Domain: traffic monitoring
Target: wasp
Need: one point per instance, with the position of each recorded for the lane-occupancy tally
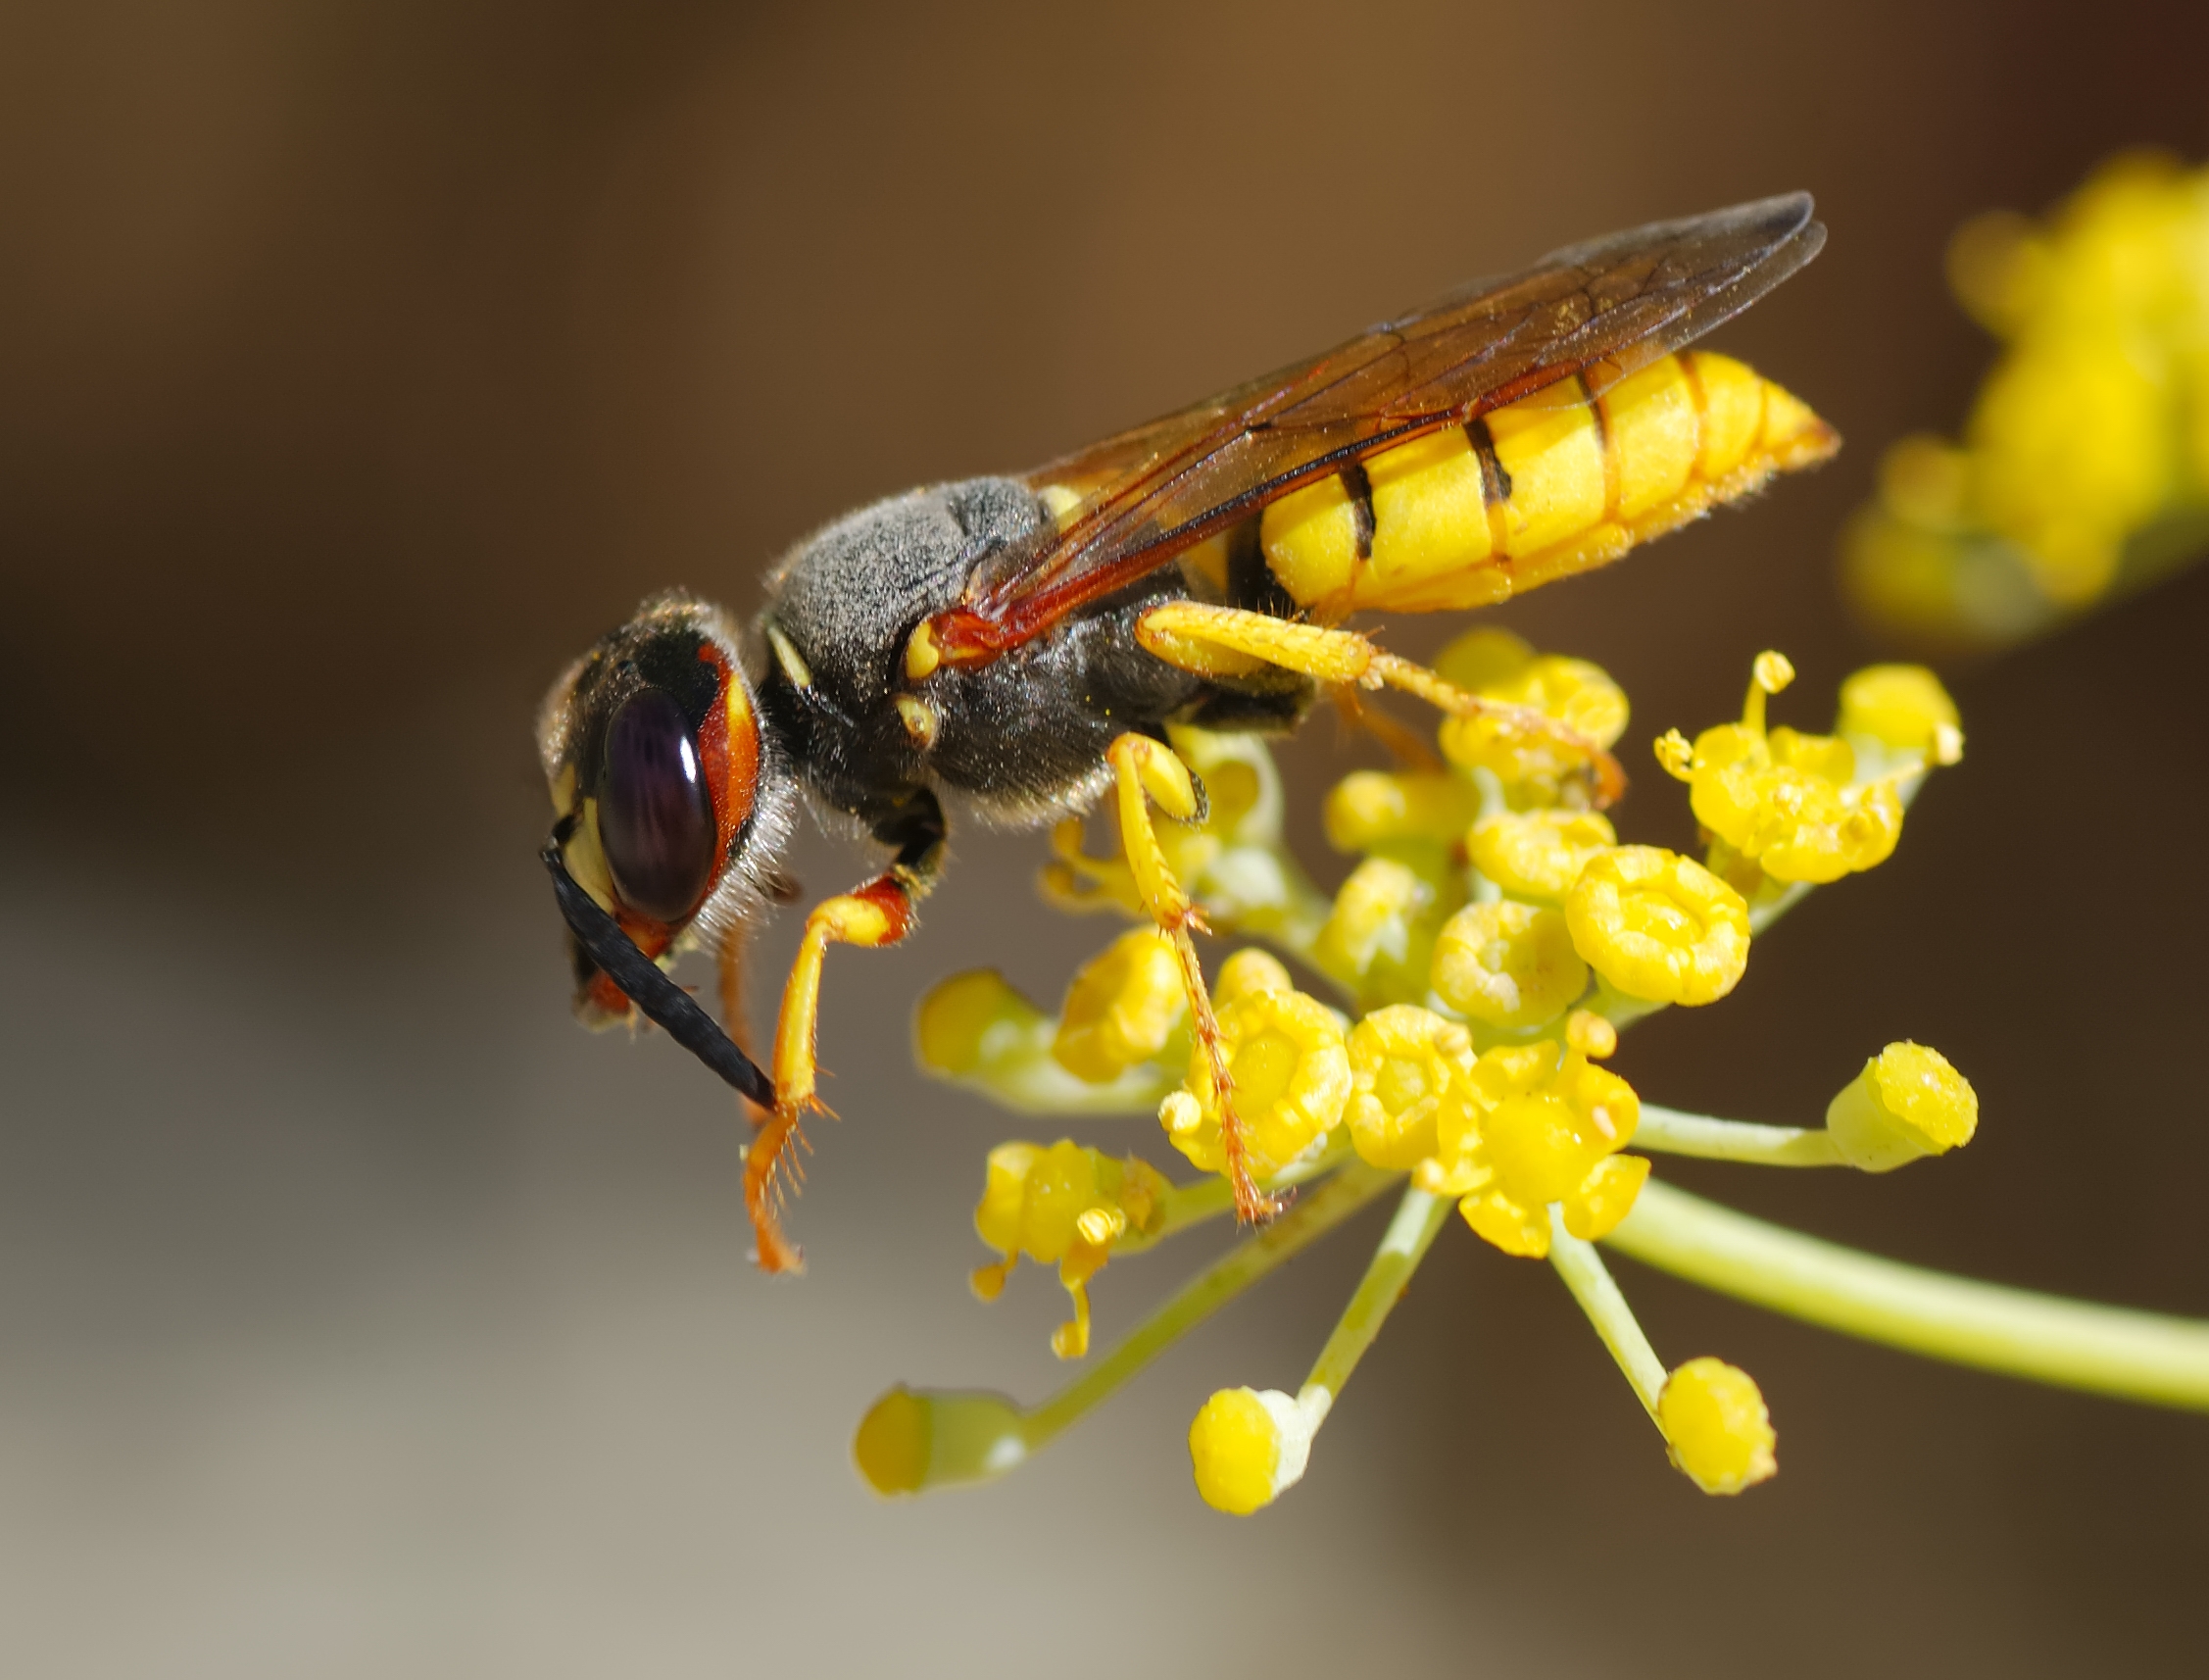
(1021, 646)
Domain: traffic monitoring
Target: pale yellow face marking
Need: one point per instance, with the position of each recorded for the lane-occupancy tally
(586, 862)
(922, 656)
(787, 655)
(563, 791)
(919, 718)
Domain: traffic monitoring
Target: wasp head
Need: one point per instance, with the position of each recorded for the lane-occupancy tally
(672, 804)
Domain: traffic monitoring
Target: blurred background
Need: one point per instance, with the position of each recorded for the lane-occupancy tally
(359, 363)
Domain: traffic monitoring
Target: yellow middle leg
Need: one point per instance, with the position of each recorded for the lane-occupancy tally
(1146, 772)
(1226, 641)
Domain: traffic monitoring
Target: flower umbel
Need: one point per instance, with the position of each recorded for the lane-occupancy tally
(1490, 942)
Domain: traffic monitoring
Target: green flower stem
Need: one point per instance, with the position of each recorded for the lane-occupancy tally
(1590, 1281)
(1418, 1219)
(913, 1439)
(1208, 1291)
(2071, 1344)
(1675, 1133)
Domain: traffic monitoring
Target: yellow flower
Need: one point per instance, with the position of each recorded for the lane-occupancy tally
(1290, 1070)
(1408, 1065)
(1371, 808)
(1903, 708)
(1507, 963)
(1787, 802)
(1499, 666)
(1715, 1421)
(1539, 854)
(1247, 1446)
(961, 1020)
(1251, 970)
(1908, 1103)
(1123, 1008)
(1658, 925)
(1378, 938)
(1544, 1126)
(1067, 1203)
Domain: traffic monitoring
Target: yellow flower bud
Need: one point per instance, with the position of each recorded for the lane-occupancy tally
(1507, 963)
(1539, 854)
(958, 1021)
(1497, 665)
(1901, 706)
(1248, 1447)
(1720, 1432)
(1377, 938)
(1908, 1103)
(913, 1439)
(1370, 808)
(1249, 970)
(1658, 925)
(1286, 1054)
(1123, 1008)
(1067, 1203)
(1408, 1065)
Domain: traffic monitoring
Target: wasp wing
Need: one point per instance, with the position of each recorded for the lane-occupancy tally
(1598, 312)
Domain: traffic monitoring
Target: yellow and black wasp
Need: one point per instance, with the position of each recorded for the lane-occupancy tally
(1022, 644)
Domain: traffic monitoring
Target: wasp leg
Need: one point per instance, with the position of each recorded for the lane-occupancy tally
(1148, 772)
(1225, 641)
(730, 959)
(879, 913)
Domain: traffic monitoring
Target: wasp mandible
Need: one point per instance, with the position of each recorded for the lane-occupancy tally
(1023, 643)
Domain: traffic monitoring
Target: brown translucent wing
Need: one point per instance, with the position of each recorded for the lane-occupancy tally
(1597, 310)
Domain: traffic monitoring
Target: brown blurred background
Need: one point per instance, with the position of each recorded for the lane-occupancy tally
(358, 363)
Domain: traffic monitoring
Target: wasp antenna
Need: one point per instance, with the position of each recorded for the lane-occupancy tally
(645, 985)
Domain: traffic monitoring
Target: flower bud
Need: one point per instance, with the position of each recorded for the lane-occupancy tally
(1248, 1447)
(1721, 1434)
(1906, 1103)
(1658, 925)
(1122, 1009)
(962, 1019)
(911, 1439)
(1507, 963)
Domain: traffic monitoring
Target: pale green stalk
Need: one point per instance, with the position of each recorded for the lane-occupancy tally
(914, 1440)
(2044, 1338)
(1590, 1281)
(1673, 1132)
(1419, 1219)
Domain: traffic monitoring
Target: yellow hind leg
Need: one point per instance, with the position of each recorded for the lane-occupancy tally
(1229, 641)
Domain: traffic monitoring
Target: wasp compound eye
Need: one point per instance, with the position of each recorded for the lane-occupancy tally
(655, 814)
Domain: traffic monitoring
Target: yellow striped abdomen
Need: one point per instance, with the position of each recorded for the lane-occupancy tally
(1549, 486)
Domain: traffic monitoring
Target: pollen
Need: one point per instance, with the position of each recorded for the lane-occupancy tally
(1659, 926)
(1286, 1054)
(1124, 1007)
(1908, 1103)
(1507, 963)
(1539, 854)
(1715, 1421)
(1407, 1066)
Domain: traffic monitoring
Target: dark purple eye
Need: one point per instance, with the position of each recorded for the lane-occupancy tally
(655, 814)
